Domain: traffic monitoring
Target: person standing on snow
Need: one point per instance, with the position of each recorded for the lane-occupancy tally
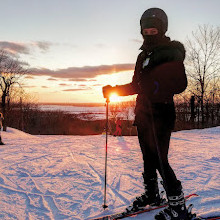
(118, 127)
(159, 75)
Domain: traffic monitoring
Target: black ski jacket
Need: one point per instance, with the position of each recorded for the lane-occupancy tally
(159, 75)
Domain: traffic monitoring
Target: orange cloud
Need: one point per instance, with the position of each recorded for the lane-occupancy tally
(74, 73)
(64, 84)
(75, 90)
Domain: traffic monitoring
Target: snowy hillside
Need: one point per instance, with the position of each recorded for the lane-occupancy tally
(62, 177)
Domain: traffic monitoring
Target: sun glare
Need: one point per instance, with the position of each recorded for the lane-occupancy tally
(114, 97)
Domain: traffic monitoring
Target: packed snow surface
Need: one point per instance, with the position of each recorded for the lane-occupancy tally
(62, 177)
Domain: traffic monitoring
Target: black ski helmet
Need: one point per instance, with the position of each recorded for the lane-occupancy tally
(155, 14)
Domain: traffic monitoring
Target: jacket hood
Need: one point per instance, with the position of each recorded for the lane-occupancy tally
(166, 42)
(179, 46)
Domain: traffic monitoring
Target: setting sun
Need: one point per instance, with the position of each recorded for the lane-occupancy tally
(114, 97)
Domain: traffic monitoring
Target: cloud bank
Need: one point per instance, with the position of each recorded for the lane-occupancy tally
(86, 72)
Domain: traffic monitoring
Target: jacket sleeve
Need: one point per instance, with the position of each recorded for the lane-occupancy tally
(133, 87)
(125, 90)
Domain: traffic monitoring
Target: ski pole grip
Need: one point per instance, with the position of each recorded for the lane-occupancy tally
(107, 99)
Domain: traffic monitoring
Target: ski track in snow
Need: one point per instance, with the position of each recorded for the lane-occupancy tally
(62, 177)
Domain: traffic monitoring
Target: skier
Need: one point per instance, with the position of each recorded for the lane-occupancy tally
(159, 74)
(118, 127)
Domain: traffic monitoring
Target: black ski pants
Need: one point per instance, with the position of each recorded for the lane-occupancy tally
(154, 133)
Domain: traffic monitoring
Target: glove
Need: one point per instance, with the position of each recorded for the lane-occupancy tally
(107, 90)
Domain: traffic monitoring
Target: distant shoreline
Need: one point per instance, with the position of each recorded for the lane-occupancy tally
(75, 104)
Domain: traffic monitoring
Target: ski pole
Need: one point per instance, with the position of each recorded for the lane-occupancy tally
(106, 151)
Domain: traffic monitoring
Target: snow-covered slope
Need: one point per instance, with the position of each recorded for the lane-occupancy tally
(62, 177)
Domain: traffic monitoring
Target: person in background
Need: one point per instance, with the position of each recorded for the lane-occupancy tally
(118, 127)
(159, 74)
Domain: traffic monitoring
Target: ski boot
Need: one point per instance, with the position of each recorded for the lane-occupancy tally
(176, 209)
(150, 197)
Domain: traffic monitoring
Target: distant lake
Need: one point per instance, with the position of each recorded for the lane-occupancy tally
(84, 110)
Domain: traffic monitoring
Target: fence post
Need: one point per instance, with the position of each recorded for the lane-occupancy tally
(192, 107)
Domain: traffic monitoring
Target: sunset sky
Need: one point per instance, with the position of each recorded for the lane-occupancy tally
(75, 47)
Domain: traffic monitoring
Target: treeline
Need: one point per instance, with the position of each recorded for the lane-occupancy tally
(190, 115)
(29, 118)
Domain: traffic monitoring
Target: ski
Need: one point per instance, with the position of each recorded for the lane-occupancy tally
(206, 218)
(129, 214)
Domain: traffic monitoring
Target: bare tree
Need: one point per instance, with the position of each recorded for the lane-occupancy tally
(127, 110)
(203, 64)
(11, 73)
(115, 109)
